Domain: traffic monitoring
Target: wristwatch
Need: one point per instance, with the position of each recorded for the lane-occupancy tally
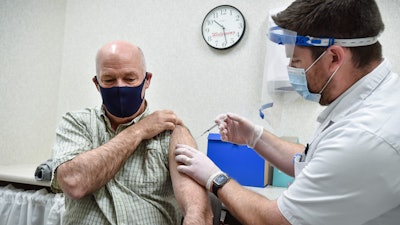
(218, 182)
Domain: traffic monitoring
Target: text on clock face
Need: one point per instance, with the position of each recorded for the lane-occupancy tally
(222, 34)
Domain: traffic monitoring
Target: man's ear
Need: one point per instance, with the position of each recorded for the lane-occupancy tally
(96, 83)
(338, 55)
(148, 79)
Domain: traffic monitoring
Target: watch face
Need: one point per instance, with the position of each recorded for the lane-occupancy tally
(220, 179)
(223, 27)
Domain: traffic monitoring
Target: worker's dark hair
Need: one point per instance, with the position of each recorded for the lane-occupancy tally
(341, 19)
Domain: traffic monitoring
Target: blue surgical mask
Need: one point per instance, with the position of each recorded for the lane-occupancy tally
(298, 79)
(123, 101)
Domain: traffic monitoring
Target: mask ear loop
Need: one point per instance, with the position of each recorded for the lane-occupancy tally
(329, 80)
(319, 57)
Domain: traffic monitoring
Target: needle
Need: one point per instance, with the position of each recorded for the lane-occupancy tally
(208, 130)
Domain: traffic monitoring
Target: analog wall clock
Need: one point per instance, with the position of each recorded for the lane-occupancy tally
(223, 27)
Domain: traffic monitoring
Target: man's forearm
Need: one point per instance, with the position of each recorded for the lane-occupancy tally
(278, 151)
(91, 170)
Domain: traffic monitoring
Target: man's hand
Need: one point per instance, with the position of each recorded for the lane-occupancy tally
(156, 123)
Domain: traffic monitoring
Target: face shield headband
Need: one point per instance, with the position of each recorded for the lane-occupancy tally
(290, 39)
(282, 36)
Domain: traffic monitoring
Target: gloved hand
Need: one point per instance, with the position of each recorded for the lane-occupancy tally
(196, 164)
(238, 130)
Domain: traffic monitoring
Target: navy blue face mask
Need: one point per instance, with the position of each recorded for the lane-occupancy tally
(123, 101)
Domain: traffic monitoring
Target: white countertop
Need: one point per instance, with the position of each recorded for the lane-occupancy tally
(21, 173)
(269, 191)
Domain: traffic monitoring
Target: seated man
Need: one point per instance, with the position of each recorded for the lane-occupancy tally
(115, 163)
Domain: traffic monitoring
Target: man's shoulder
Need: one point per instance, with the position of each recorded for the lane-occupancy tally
(81, 118)
(84, 113)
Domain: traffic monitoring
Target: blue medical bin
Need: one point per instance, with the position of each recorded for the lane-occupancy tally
(240, 162)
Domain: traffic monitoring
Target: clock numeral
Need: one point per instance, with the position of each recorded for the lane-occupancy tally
(223, 12)
(215, 15)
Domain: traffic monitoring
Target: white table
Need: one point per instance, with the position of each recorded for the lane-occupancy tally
(269, 191)
(21, 173)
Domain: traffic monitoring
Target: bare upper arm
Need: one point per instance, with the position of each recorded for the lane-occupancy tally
(191, 196)
(180, 135)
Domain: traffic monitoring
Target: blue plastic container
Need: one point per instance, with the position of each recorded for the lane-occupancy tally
(240, 162)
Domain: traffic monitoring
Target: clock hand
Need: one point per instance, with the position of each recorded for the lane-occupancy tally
(219, 24)
(223, 29)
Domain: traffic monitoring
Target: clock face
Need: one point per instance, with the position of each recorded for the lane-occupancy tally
(223, 27)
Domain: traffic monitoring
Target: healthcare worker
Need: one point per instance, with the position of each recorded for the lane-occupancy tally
(349, 171)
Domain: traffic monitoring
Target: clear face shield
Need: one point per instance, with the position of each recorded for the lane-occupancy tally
(279, 54)
(276, 86)
(286, 40)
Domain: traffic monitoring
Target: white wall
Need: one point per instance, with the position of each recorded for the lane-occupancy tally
(31, 38)
(47, 62)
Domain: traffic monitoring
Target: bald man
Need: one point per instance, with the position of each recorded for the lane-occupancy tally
(115, 162)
